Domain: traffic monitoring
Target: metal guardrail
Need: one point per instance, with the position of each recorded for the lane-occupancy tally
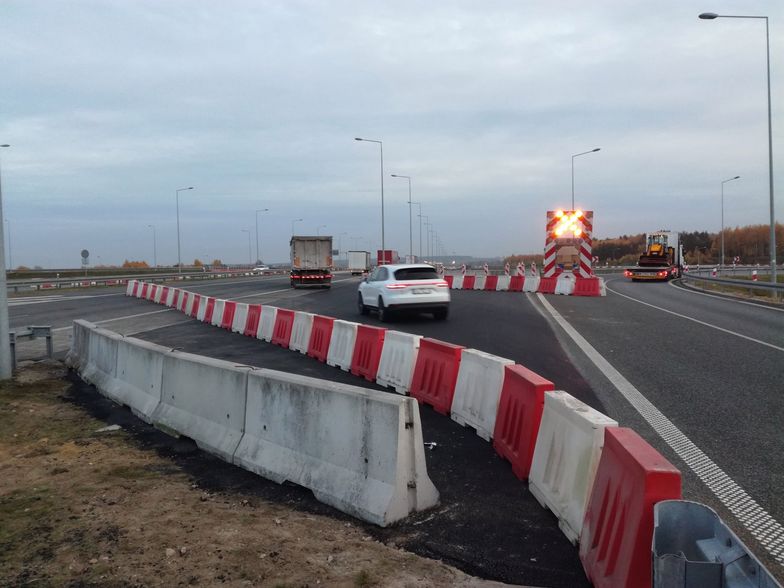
(744, 284)
(31, 333)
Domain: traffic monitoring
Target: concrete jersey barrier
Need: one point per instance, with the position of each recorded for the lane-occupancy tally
(358, 450)
(137, 382)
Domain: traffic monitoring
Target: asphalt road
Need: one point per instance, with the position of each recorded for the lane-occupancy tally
(721, 389)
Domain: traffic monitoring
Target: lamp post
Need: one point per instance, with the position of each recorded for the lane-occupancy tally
(154, 247)
(340, 242)
(381, 145)
(722, 217)
(712, 16)
(578, 155)
(296, 220)
(250, 261)
(410, 230)
(318, 228)
(258, 255)
(428, 225)
(179, 258)
(419, 204)
(10, 257)
(6, 369)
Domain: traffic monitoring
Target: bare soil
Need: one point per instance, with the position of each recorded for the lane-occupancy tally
(79, 507)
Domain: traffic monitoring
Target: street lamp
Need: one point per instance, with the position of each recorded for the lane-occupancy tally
(712, 16)
(419, 204)
(722, 217)
(318, 228)
(250, 261)
(381, 145)
(296, 220)
(10, 256)
(6, 369)
(258, 258)
(410, 233)
(154, 247)
(179, 258)
(578, 155)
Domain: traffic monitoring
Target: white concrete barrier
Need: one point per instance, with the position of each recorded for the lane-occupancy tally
(398, 358)
(204, 399)
(341, 344)
(240, 318)
(358, 450)
(565, 284)
(300, 332)
(568, 448)
(217, 312)
(267, 322)
(457, 282)
(503, 283)
(478, 390)
(202, 308)
(531, 284)
(100, 365)
(80, 338)
(479, 281)
(137, 382)
(170, 297)
(129, 287)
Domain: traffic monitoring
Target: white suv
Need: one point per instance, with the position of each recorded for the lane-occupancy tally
(396, 287)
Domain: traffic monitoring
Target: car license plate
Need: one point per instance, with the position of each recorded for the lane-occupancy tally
(421, 290)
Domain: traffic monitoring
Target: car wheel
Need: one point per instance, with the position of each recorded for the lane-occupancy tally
(383, 313)
(361, 305)
(441, 314)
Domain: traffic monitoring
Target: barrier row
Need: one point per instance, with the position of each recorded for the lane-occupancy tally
(601, 480)
(358, 450)
(565, 283)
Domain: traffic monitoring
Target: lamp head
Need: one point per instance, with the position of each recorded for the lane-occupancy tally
(709, 15)
(597, 149)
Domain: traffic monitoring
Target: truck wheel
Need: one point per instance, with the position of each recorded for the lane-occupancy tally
(383, 313)
(361, 305)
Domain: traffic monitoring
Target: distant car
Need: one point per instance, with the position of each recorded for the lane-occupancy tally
(416, 287)
(261, 269)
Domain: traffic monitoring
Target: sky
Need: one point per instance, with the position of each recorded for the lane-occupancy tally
(111, 106)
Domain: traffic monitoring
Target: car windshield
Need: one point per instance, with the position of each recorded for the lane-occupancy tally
(416, 273)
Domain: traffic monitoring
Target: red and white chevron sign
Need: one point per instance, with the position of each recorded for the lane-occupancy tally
(569, 227)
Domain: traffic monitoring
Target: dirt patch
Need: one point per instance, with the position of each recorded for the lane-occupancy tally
(83, 508)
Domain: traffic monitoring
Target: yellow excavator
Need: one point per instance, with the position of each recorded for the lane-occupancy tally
(662, 259)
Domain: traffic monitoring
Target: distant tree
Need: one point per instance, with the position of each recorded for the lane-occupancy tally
(22, 268)
(135, 264)
(197, 263)
(216, 263)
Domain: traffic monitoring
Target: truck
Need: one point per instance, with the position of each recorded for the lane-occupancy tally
(662, 259)
(387, 256)
(358, 262)
(311, 261)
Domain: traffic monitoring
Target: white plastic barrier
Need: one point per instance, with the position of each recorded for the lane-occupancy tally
(217, 312)
(240, 318)
(300, 332)
(531, 284)
(129, 287)
(100, 365)
(398, 358)
(267, 323)
(503, 283)
(202, 308)
(184, 301)
(137, 382)
(158, 294)
(341, 344)
(565, 284)
(204, 399)
(478, 390)
(568, 448)
(358, 450)
(602, 287)
(479, 281)
(170, 297)
(457, 282)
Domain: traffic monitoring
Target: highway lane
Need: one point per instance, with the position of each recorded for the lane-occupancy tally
(714, 369)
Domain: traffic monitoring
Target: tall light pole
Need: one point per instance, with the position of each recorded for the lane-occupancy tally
(154, 247)
(296, 220)
(428, 225)
(722, 216)
(179, 258)
(711, 16)
(6, 369)
(250, 261)
(381, 145)
(10, 257)
(419, 204)
(318, 228)
(410, 230)
(258, 258)
(578, 155)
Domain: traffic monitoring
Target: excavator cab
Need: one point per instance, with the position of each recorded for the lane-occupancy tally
(657, 253)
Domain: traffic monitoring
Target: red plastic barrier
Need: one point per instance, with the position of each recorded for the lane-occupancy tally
(468, 282)
(151, 292)
(587, 287)
(252, 323)
(135, 291)
(367, 351)
(547, 285)
(519, 414)
(491, 282)
(516, 283)
(176, 298)
(145, 288)
(284, 321)
(320, 336)
(229, 308)
(435, 373)
(449, 281)
(615, 545)
(184, 298)
(209, 310)
(164, 294)
(193, 307)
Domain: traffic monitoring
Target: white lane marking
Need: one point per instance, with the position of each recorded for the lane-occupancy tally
(722, 329)
(732, 300)
(52, 298)
(760, 524)
(118, 318)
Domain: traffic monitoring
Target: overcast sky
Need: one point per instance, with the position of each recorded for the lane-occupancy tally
(110, 106)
